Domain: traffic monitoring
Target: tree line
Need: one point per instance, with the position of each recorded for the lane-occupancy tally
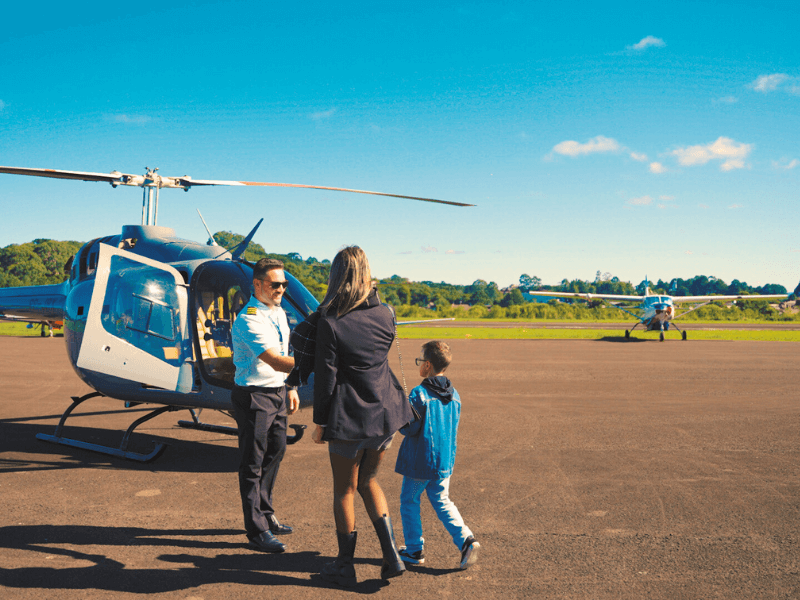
(42, 262)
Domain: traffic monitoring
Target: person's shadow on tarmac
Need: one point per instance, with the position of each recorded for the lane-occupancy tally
(240, 566)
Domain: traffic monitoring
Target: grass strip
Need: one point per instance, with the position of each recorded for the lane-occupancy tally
(495, 333)
(21, 330)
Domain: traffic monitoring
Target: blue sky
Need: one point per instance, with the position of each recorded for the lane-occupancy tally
(638, 139)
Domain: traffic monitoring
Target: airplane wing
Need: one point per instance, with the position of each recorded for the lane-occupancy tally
(34, 303)
(690, 299)
(588, 296)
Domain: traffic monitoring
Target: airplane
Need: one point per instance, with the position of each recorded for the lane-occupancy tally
(657, 311)
(147, 316)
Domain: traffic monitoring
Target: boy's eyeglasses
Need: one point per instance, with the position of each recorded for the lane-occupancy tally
(419, 361)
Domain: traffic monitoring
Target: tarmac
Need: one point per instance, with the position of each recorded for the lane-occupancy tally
(586, 469)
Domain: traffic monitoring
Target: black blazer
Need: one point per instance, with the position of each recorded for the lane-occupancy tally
(356, 394)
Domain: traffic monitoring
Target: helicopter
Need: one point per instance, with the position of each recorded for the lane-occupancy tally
(147, 316)
(656, 312)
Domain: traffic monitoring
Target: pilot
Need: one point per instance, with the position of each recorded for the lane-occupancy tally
(261, 355)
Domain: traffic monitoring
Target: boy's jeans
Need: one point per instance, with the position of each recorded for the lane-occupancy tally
(439, 494)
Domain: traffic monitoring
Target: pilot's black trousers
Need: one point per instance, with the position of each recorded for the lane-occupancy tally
(261, 417)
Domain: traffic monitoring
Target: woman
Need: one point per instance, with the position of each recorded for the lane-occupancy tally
(358, 406)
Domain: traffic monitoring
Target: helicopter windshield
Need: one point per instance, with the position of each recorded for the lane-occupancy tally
(139, 307)
(300, 296)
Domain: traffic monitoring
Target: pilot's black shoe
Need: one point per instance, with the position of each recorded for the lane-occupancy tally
(266, 542)
(276, 527)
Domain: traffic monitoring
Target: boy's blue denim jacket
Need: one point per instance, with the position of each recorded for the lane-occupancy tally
(428, 450)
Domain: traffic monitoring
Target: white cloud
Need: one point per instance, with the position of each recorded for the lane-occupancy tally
(733, 154)
(769, 83)
(2, 105)
(596, 144)
(657, 167)
(429, 249)
(641, 201)
(787, 165)
(688, 252)
(667, 198)
(455, 252)
(639, 156)
(406, 252)
(702, 206)
(131, 119)
(727, 100)
(735, 206)
(323, 114)
(646, 42)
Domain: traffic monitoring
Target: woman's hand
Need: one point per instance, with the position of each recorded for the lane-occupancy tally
(317, 434)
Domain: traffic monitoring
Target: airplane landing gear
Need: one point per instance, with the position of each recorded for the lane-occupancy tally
(661, 336)
(627, 334)
(683, 335)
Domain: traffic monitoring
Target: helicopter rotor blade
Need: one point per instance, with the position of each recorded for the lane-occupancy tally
(114, 178)
(190, 182)
(152, 179)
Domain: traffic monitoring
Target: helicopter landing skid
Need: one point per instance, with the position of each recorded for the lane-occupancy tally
(122, 451)
(196, 423)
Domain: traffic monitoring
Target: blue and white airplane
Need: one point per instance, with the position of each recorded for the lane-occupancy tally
(655, 312)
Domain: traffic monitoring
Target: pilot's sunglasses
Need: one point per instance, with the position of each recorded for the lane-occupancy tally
(279, 284)
(419, 361)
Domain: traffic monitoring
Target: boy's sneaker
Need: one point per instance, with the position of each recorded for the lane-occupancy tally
(417, 558)
(469, 552)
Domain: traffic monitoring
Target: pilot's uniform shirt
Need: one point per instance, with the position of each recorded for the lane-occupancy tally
(259, 328)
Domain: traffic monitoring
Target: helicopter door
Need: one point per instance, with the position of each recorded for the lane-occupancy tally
(136, 327)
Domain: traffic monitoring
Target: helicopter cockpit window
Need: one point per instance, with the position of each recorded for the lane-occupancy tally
(139, 307)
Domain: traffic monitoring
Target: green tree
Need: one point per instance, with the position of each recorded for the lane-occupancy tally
(40, 262)
(527, 283)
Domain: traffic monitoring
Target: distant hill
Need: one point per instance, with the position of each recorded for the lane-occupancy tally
(42, 261)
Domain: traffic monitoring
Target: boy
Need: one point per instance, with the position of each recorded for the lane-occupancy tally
(427, 455)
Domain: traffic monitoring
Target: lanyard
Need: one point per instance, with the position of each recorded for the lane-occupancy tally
(278, 330)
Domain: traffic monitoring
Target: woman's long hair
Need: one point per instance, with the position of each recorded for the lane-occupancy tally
(350, 281)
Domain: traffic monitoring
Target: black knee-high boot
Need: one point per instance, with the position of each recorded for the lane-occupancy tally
(341, 571)
(392, 563)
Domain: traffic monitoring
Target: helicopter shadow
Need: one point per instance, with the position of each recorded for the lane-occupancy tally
(234, 564)
(202, 455)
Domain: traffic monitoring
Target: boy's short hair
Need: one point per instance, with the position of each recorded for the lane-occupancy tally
(264, 265)
(438, 354)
